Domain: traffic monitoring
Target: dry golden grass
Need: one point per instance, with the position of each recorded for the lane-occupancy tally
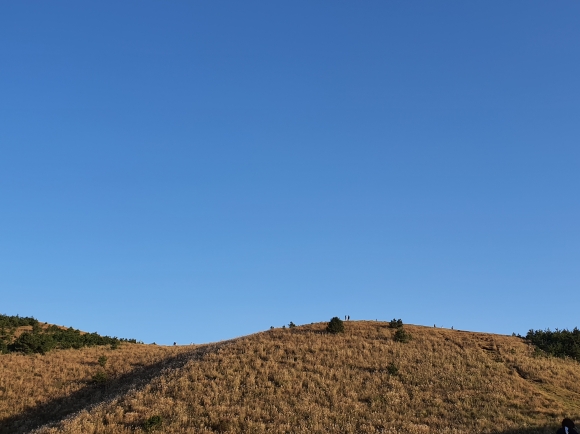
(303, 380)
(35, 388)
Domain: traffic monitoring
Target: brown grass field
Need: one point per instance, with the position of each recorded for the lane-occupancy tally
(299, 380)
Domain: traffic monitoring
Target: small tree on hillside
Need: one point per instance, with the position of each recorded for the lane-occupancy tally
(335, 326)
(392, 369)
(36, 328)
(396, 323)
(29, 343)
(100, 377)
(401, 335)
(153, 423)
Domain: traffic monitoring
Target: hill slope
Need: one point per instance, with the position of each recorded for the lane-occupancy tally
(303, 380)
(35, 389)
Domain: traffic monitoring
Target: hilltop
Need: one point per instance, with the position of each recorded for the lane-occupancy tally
(298, 380)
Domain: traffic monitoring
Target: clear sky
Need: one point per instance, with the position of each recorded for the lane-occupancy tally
(194, 171)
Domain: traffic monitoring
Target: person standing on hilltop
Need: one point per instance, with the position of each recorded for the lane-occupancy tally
(568, 427)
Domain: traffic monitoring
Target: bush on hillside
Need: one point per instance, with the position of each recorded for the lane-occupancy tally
(153, 423)
(17, 321)
(28, 343)
(401, 335)
(53, 337)
(100, 377)
(558, 343)
(71, 338)
(335, 325)
(392, 369)
(6, 338)
(396, 323)
(102, 361)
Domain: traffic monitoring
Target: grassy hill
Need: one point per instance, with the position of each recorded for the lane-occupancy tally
(28, 335)
(298, 380)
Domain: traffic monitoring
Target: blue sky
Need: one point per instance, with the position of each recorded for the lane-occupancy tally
(194, 171)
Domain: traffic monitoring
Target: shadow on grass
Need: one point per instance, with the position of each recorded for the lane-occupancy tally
(92, 394)
(550, 429)
(545, 429)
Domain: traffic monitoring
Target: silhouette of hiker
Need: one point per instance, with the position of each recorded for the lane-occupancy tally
(567, 427)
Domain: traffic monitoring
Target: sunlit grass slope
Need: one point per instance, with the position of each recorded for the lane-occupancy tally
(37, 388)
(302, 380)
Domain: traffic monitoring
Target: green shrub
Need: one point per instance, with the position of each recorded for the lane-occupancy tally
(43, 340)
(335, 326)
(102, 361)
(153, 423)
(5, 340)
(5, 334)
(29, 343)
(291, 325)
(100, 377)
(396, 323)
(392, 369)
(17, 321)
(401, 335)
